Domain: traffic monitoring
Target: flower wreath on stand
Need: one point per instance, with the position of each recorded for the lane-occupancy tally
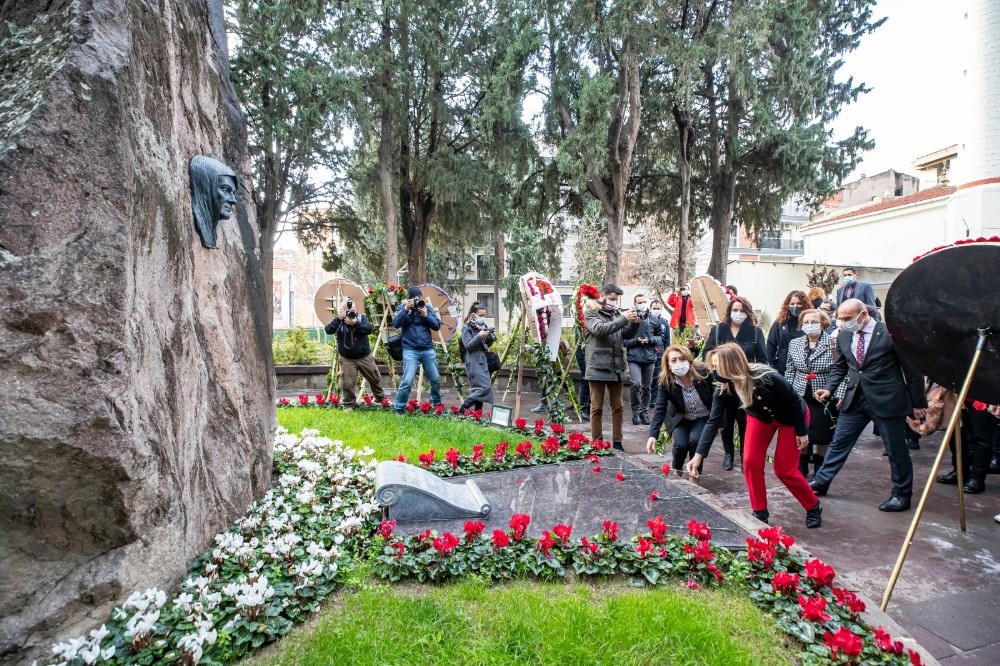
(383, 296)
(544, 303)
(584, 291)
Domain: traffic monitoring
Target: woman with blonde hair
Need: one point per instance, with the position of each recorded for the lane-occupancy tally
(772, 406)
(683, 403)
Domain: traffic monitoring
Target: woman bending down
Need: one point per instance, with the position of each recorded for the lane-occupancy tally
(771, 406)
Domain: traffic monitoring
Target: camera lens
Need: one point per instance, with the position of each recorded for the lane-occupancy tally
(351, 314)
(420, 304)
(350, 304)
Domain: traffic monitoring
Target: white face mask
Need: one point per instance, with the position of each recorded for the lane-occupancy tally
(738, 317)
(685, 292)
(812, 330)
(680, 369)
(480, 320)
(850, 326)
(656, 312)
(642, 307)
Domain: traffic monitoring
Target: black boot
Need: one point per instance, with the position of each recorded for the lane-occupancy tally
(762, 515)
(644, 417)
(814, 516)
(804, 458)
(635, 418)
(727, 461)
(617, 446)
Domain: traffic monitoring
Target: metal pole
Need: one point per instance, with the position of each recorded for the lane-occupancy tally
(958, 469)
(520, 360)
(983, 334)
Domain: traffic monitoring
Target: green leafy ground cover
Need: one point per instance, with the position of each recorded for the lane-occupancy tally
(390, 435)
(470, 622)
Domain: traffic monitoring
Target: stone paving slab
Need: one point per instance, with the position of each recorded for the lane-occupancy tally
(573, 494)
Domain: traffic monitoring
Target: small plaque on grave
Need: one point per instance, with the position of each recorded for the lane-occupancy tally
(412, 493)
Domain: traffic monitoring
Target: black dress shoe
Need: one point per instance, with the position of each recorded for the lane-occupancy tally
(644, 418)
(814, 516)
(949, 479)
(894, 504)
(819, 488)
(635, 418)
(995, 466)
(913, 445)
(617, 446)
(973, 487)
(727, 463)
(762, 515)
(885, 454)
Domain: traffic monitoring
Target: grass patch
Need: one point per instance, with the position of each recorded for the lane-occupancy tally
(389, 434)
(470, 622)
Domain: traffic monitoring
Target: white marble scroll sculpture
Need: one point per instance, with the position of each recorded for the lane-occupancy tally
(412, 493)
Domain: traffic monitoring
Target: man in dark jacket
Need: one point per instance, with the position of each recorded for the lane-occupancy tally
(606, 331)
(416, 319)
(881, 387)
(641, 361)
(352, 329)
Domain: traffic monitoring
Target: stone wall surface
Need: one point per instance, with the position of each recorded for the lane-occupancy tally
(136, 385)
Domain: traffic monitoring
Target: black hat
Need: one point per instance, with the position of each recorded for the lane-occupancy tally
(414, 292)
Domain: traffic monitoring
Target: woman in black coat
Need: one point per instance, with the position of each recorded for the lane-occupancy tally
(772, 407)
(683, 403)
(739, 326)
(785, 329)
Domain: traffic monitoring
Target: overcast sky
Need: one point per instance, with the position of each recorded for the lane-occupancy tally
(912, 64)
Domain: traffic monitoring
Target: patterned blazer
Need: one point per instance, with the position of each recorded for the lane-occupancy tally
(820, 363)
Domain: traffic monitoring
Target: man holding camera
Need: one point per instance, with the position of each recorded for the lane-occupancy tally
(641, 360)
(416, 319)
(607, 328)
(352, 330)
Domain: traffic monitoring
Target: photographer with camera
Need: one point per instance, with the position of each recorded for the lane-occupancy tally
(352, 330)
(642, 351)
(606, 330)
(476, 340)
(416, 319)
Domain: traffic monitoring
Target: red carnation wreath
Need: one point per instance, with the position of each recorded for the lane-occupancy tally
(584, 291)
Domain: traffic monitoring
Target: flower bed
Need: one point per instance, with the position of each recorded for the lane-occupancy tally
(274, 568)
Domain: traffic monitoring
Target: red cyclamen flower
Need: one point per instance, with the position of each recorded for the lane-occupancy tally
(445, 543)
(519, 523)
(303, 400)
(426, 458)
(451, 455)
(385, 528)
(818, 572)
(563, 532)
(500, 539)
(813, 608)
(400, 549)
(844, 640)
(473, 528)
(698, 530)
(546, 543)
(477, 452)
(610, 530)
(784, 582)
(657, 529)
(320, 399)
(520, 424)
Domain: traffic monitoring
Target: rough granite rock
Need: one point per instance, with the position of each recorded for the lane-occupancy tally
(136, 408)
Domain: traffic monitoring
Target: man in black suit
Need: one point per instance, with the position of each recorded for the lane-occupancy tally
(862, 291)
(881, 387)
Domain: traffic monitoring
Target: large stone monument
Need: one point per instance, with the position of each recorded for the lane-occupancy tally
(136, 390)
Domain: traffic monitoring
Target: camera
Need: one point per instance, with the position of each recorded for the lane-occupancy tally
(350, 312)
(419, 303)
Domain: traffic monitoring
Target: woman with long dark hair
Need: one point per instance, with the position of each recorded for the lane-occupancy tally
(683, 402)
(739, 326)
(785, 329)
(476, 339)
(772, 406)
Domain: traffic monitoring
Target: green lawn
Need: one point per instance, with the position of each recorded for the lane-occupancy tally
(536, 623)
(389, 434)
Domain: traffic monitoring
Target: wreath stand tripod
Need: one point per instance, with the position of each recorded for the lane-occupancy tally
(954, 429)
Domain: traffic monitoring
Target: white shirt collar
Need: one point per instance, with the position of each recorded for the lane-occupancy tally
(870, 326)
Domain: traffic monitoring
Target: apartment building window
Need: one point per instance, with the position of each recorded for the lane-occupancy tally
(486, 299)
(484, 271)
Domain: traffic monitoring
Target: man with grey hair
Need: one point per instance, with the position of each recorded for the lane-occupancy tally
(880, 387)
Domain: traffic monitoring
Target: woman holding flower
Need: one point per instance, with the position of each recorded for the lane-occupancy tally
(810, 359)
(683, 403)
(772, 407)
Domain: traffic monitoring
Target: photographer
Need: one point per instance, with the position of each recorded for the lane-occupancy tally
(416, 319)
(641, 360)
(352, 330)
(477, 338)
(607, 328)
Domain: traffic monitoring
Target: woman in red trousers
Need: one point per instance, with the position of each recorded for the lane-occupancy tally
(772, 405)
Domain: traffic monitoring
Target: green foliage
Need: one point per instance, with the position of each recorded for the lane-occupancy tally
(537, 623)
(297, 347)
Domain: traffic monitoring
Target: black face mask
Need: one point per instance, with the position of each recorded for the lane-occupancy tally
(795, 311)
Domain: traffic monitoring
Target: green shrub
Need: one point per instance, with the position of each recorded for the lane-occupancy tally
(297, 347)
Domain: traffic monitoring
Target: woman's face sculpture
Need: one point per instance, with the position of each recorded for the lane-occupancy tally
(213, 195)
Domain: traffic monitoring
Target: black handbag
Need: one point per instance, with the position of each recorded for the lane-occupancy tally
(394, 345)
(493, 363)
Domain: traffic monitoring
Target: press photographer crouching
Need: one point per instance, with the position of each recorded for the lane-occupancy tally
(352, 330)
(476, 340)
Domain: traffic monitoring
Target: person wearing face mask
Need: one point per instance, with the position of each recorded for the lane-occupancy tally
(739, 326)
(810, 359)
(476, 339)
(683, 316)
(880, 387)
(604, 338)
(785, 329)
(772, 407)
(683, 404)
(641, 355)
(663, 330)
(854, 289)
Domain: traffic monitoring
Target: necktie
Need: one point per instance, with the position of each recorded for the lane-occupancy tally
(859, 351)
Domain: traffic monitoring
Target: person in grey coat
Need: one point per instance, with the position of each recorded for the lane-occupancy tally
(641, 357)
(476, 340)
(607, 328)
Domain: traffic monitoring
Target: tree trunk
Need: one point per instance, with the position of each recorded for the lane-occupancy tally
(385, 157)
(723, 195)
(686, 139)
(267, 239)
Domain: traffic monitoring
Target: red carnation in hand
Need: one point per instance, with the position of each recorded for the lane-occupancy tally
(811, 376)
(978, 406)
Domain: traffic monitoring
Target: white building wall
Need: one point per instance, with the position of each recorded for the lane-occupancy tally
(886, 239)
